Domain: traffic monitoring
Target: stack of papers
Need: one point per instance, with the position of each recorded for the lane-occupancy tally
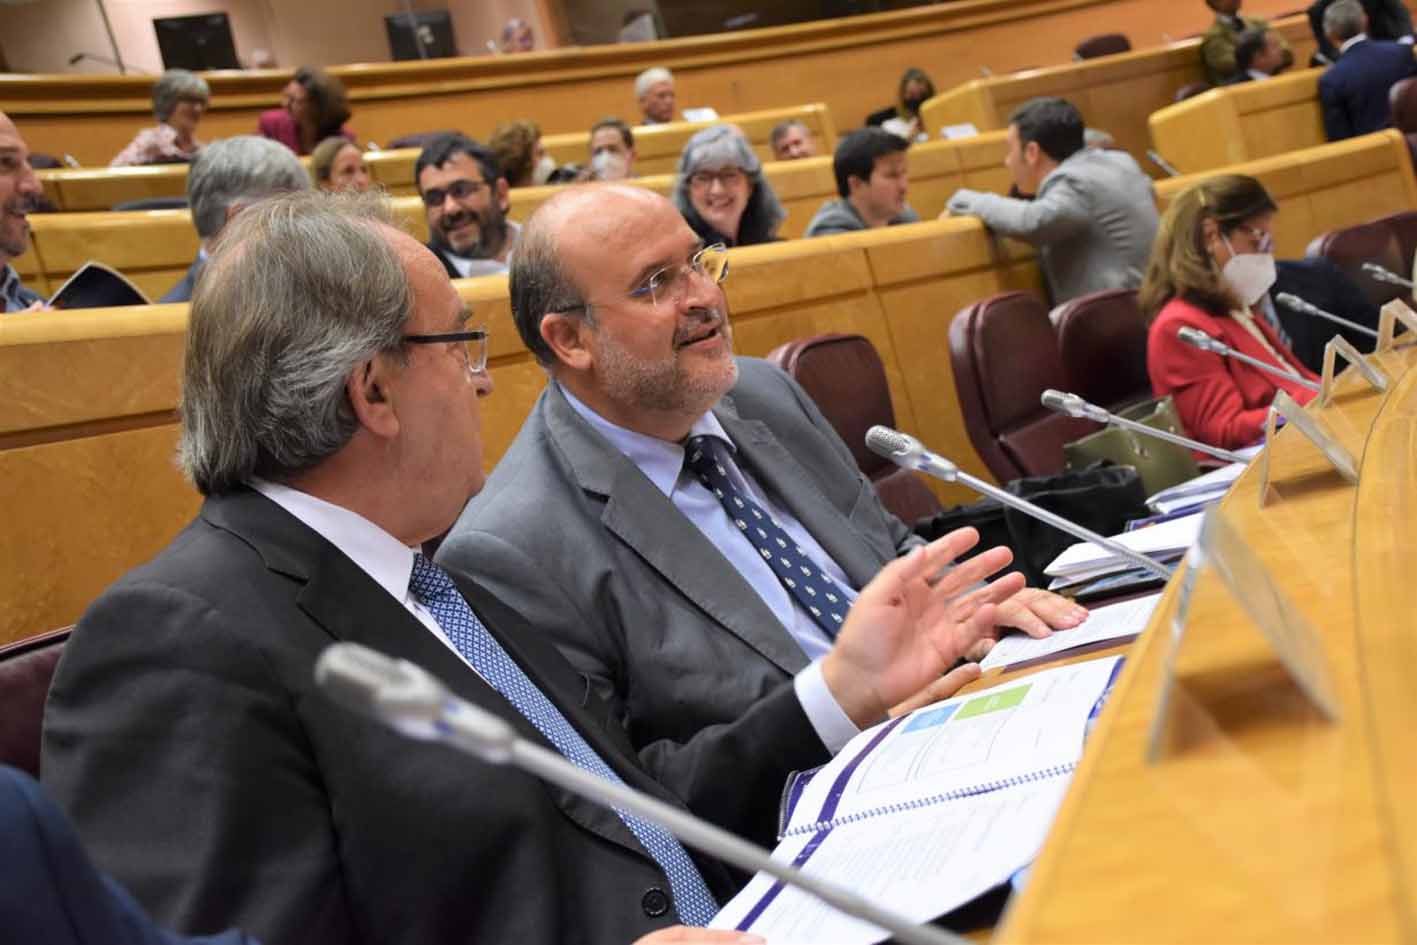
(1200, 491)
(1161, 541)
(1113, 622)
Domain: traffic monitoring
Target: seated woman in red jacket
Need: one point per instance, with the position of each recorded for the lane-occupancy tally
(314, 106)
(1211, 267)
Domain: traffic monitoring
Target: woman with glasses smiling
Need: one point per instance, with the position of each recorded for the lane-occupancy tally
(1211, 268)
(721, 191)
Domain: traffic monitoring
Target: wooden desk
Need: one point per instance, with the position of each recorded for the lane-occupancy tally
(1264, 823)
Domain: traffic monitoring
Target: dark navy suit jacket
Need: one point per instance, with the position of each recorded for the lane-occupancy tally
(182, 291)
(1354, 89)
(1319, 282)
(53, 894)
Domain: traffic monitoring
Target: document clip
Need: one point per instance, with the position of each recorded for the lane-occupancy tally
(1340, 347)
(1314, 429)
(1392, 313)
(1222, 550)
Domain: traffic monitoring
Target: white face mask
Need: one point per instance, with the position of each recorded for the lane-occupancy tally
(1248, 275)
(543, 170)
(607, 165)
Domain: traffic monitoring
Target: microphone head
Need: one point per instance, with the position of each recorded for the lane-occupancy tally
(1071, 405)
(75, 58)
(892, 444)
(395, 692)
(1196, 337)
(1290, 300)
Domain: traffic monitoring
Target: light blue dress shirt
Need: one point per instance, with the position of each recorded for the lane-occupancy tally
(662, 463)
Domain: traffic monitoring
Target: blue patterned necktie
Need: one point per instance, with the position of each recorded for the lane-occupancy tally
(818, 593)
(431, 587)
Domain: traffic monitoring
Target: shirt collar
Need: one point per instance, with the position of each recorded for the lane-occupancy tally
(1256, 75)
(1351, 42)
(377, 553)
(660, 460)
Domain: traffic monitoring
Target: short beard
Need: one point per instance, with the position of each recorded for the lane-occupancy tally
(491, 223)
(660, 385)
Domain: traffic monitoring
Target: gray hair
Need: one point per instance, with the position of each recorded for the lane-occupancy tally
(299, 290)
(780, 130)
(649, 77)
(172, 87)
(726, 146)
(239, 170)
(1344, 20)
(538, 284)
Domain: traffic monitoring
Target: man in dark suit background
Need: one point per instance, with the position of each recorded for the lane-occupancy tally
(685, 617)
(1354, 90)
(1387, 19)
(225, 177)
(331, 433)
(1321, 283)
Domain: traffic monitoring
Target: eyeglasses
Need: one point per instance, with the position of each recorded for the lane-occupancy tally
(1264, 241)
(474, 345)
(458, 190)
(670, 283)
(728, 177)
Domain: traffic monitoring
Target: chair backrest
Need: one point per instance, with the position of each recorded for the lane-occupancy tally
(1102, 341)
(151, 203)
(26, 668)
(1005, 356)
(844, 375)
(1403, 226)
(1352, 246)
(419, 139)
(1107, 44)
(1402, 100)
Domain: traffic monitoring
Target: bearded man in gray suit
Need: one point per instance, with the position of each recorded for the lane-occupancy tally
(1092, 211)
(608, 519)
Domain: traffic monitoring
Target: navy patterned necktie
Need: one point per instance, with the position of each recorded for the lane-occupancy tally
(431, 587)
(809, 585)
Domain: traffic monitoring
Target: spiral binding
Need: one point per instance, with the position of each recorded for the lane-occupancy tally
(988, 787)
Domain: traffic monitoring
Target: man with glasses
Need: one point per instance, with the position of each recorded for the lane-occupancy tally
(684, 524)
(332, 433)
(465, 197)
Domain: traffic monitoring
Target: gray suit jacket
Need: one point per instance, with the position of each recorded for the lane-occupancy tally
(1093, 220)
(573, 536)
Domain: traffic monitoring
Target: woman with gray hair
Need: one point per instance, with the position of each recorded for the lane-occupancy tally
(721, 190)
(180, 98)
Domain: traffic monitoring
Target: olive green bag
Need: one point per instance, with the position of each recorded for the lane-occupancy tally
(1160, 464)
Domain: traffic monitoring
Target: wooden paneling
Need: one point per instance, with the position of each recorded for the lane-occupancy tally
(1116, 94)
(852, 64)
(1262, 822)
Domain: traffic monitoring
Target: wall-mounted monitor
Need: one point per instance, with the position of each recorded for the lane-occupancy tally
(196, 42)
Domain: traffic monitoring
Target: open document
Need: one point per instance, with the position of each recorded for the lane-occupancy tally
(1113, 622)
(925, 813)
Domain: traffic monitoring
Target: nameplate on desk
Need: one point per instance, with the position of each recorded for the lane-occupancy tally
(1314, 430)
(1340, 347)
(1222, 550)
(1392, 313)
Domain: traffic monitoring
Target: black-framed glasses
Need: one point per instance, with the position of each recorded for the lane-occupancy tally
(474, 345)
(458, 190)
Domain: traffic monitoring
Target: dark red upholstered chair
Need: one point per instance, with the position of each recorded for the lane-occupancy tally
(1191, 90)
(1005, 356)
(1352, 246)
(26, 668)
(843, 374)
(1402, 100)
(1107, 44)
(1403, 226)
(1102, 341)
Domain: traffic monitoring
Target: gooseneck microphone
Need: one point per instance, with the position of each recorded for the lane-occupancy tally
(1199, 339)
(1074, 406)
(414, 703)
(1291, 301)
(1386, 275)
(1162, 163)
(908, 453)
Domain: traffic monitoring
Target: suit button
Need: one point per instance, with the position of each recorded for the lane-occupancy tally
(655, 902)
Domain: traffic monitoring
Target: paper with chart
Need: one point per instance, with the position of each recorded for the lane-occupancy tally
(1103, 623)
(925, 813)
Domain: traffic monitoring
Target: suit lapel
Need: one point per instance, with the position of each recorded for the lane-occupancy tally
(789, 483)
(646, 520)
(351, 607)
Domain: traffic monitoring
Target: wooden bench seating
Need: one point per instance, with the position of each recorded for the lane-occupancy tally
(154, 248)
(1116, 94)
(87, 398)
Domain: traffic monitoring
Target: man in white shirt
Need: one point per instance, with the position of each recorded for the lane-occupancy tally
(331, 418)
(466, 199)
